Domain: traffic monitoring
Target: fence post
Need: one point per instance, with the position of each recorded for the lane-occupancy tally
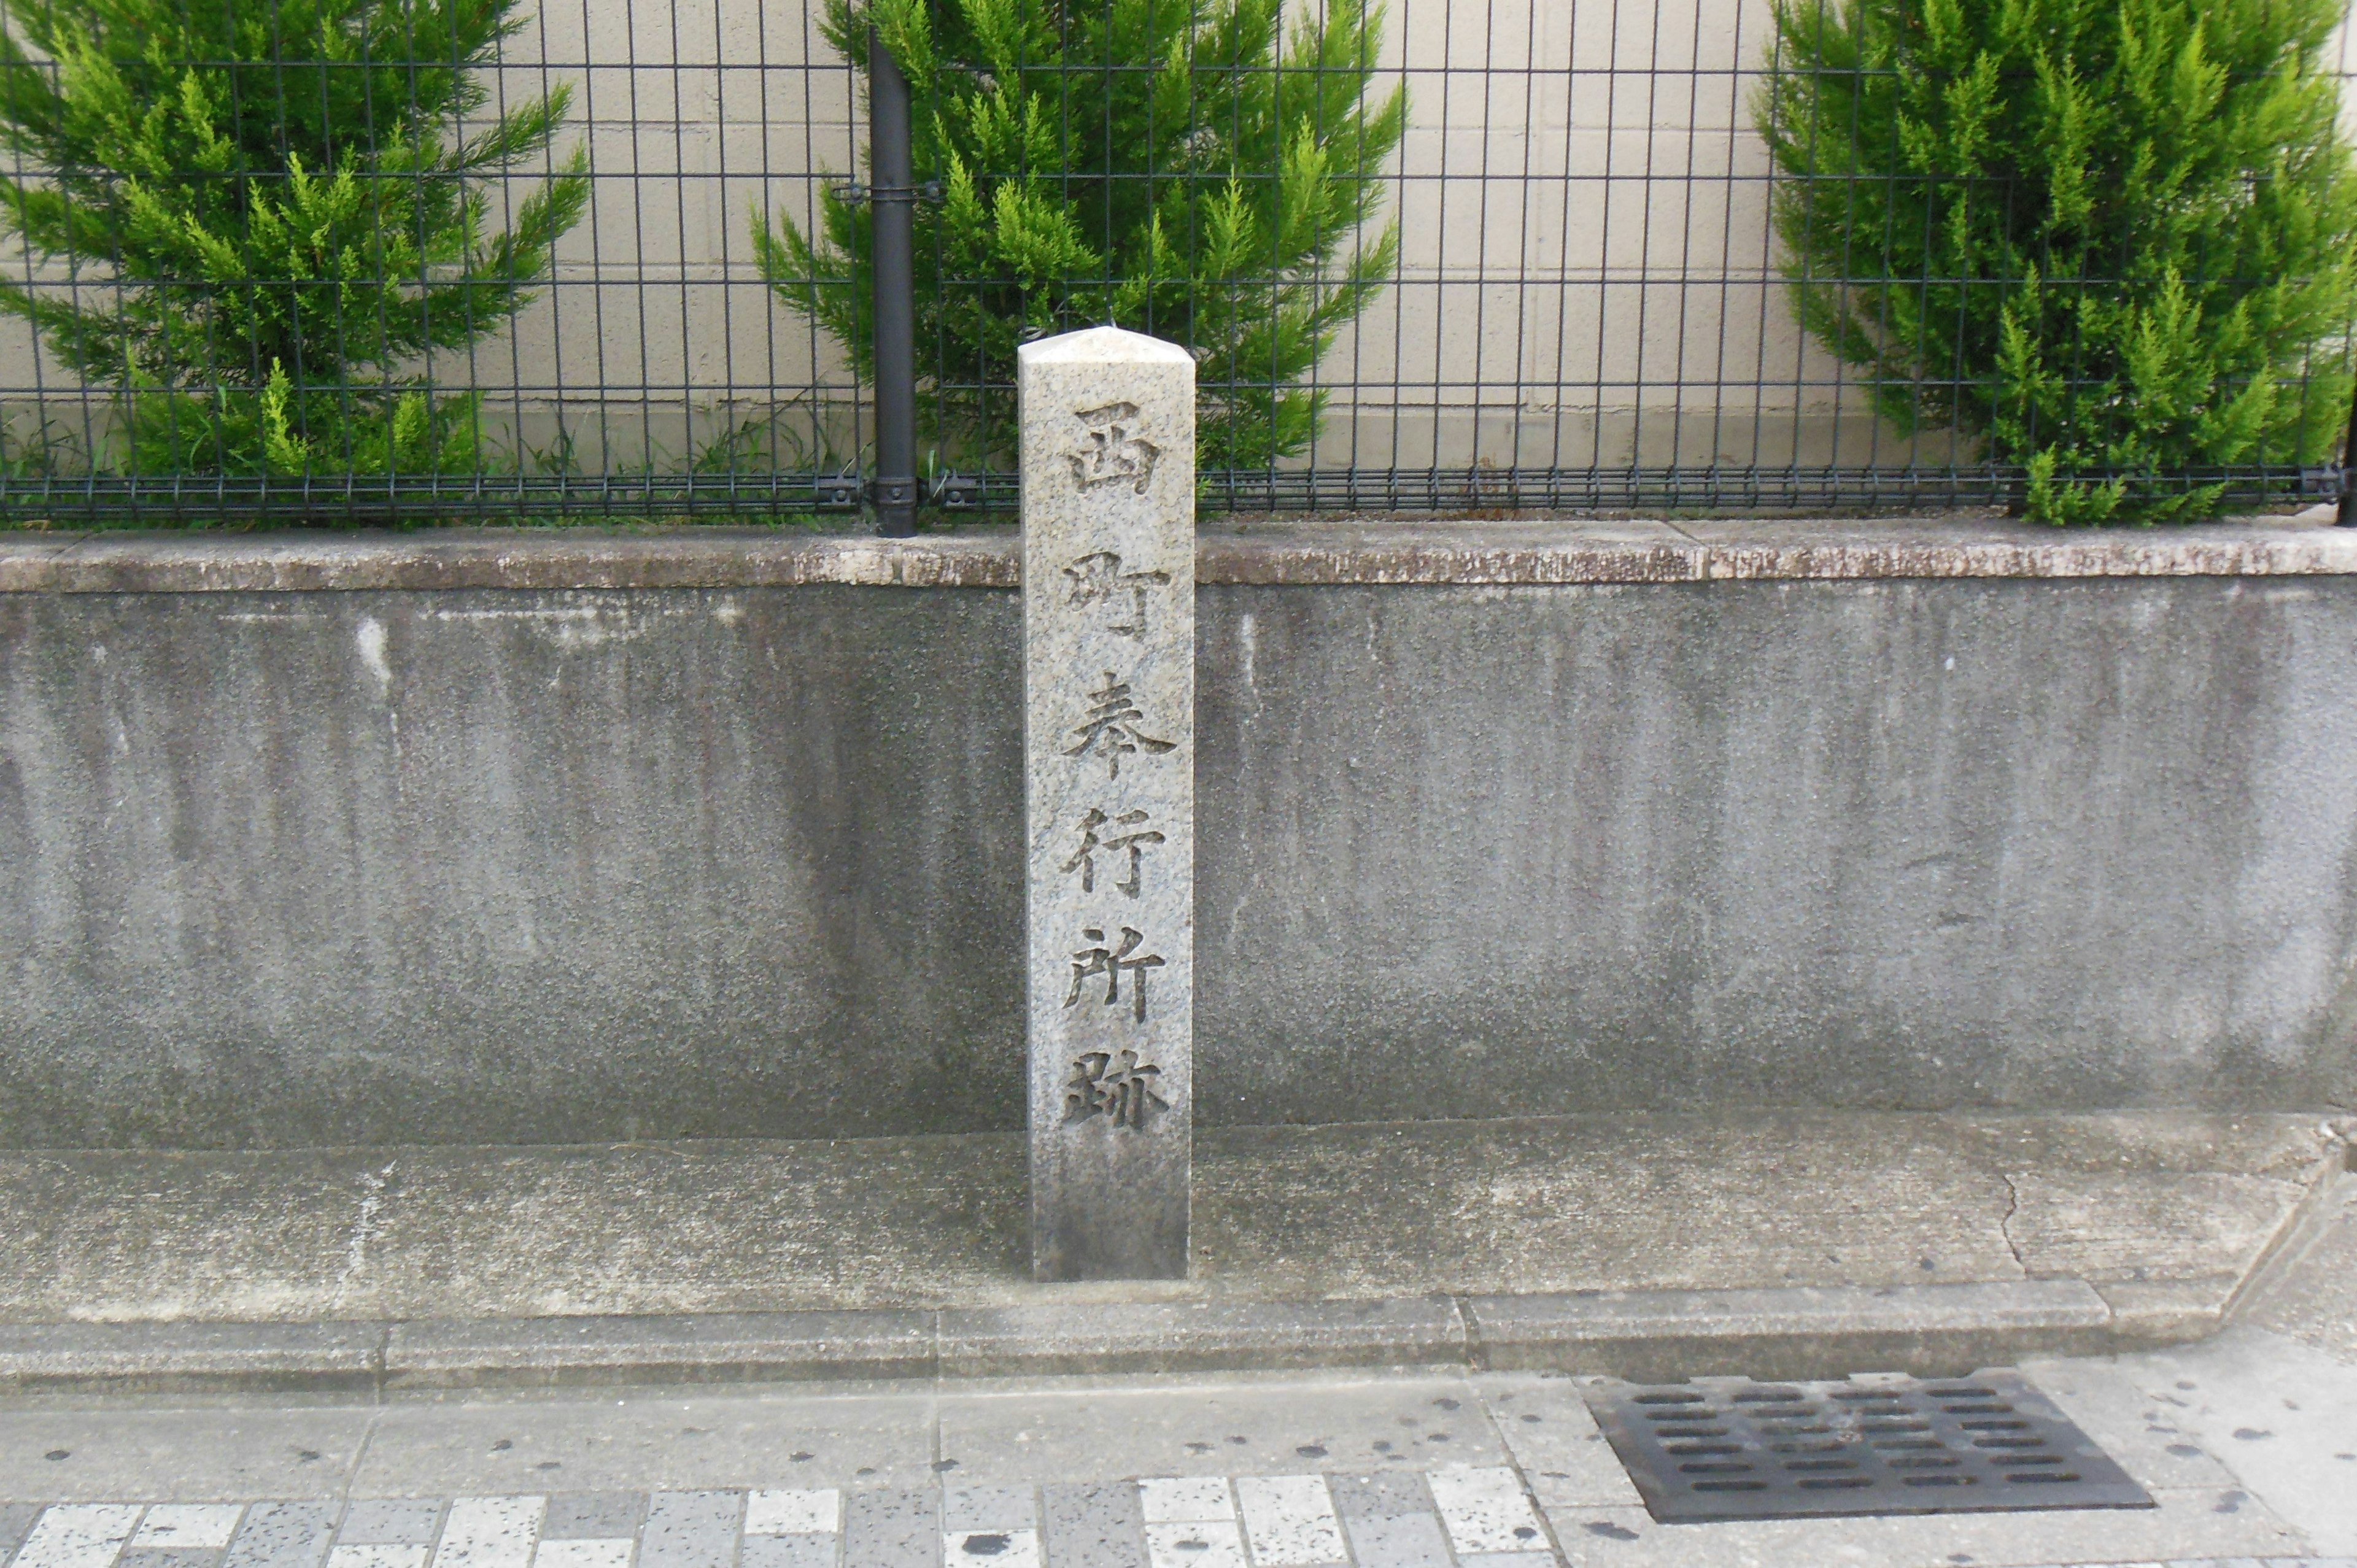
(892, 196)
(2346, 517)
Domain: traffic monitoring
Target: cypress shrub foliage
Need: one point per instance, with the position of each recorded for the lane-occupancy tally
(2109, 237)
(1173, 167)
(273, 210)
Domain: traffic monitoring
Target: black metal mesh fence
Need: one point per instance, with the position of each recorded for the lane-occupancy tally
(349, 258)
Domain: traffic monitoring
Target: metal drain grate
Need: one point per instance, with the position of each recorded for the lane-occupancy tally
(1727, 1448)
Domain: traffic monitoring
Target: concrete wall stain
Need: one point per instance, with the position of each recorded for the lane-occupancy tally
(753, 869)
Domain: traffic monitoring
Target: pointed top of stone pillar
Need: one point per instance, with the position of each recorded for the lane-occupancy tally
(1103, 343)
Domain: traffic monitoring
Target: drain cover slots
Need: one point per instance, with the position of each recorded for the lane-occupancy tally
(1726, 1448)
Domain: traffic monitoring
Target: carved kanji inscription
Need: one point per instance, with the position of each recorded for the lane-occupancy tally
(1119, 599)
(1112, 728)
(1111, 451)
(1112, 835)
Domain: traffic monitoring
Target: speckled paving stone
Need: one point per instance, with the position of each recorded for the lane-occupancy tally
(692, 1530)
(593, 1516)
(488, 1532)
(77, 1535)
(391, 1521)
(988, 1508)
(891, 1530)
(1098, 1525)
(282, 1535)
(1386, 1494)
(1397, 1540)
(167, 1557)
(807, 1549)
(382, 1555)
(187, 1527)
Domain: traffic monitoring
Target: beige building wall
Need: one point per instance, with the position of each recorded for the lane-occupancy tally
(1588, 277)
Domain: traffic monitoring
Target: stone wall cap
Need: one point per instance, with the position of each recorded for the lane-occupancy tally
(1345, 551)
(1761, 549)
(545, 559)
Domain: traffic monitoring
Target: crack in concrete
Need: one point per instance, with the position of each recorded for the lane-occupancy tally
(2005, 1222)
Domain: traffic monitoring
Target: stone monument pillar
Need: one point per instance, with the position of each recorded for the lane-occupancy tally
(1108, 464)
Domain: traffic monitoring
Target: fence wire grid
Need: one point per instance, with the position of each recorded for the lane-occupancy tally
(362, 259)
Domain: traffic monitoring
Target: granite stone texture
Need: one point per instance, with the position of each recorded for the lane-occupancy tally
(551, 865)
(1109, 800)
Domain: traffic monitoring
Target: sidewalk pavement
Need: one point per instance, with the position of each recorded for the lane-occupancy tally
(2247, 1442)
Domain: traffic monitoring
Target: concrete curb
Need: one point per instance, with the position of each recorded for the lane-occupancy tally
(1800, 1332)
(168, 1358)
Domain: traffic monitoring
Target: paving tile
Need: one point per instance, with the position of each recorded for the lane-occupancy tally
(1098, 1524)
(15, 1522)
(2275, 1413)
(1178, 1499)
(282, 1535)
(377, 1556)
(1289, 1521)
(891, 1530)
(991, 1549)
(388, 1521)
(167, 1557)
(1397, 1540)
(1523, 1559)
(585, 1552)
(592, 1516)
(989, 1508)
(690, 1530)
(490, 1532)
(2151, 1438)
(188, 1526)
(1546, 1426)
(1485, 1509)
(815, 1511)
(1385, 1493)
(1207, 1543)
(79, 1535)
(812, 1549)
(2202, 1523)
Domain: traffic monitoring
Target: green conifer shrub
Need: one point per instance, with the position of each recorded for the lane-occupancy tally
(2112, 237)
(1168, 166)
(274, 211)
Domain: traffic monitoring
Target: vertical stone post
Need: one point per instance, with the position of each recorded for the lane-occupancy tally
(1108, 465)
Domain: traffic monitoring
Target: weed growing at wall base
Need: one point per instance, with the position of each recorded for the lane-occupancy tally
(2112, 237)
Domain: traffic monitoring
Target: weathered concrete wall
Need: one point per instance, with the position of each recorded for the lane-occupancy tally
(545, 864)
